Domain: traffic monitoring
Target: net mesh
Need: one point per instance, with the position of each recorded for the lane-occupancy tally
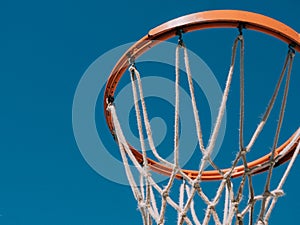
(153, 198)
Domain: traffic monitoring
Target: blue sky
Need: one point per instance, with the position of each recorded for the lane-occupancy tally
(45, 50)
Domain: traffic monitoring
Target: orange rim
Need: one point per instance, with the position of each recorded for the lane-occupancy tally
(189, 23)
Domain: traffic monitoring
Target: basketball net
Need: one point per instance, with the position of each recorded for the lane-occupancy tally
(153, 199)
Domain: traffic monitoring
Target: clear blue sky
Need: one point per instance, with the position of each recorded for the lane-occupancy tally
(45, 49)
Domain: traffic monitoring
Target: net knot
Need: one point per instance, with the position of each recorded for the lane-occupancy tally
(182, 215)
(165, 194)
(261, 222)
(251, 201)
(244, 151)
(196, 185)
(266, 194)
(239, 217)
(139, 199)
(142, 205)
(212, 206)
(176, 169)
(277, 193)
(206, 156)
(235, 204)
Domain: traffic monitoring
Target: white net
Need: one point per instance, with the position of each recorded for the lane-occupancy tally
(154, 199)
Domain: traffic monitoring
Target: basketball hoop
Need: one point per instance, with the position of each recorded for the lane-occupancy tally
(192, 179)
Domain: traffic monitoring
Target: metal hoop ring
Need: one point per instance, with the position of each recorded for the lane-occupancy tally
(193, 22)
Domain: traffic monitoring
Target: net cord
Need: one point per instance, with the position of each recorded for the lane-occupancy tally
(145, 196)
(125, 151)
